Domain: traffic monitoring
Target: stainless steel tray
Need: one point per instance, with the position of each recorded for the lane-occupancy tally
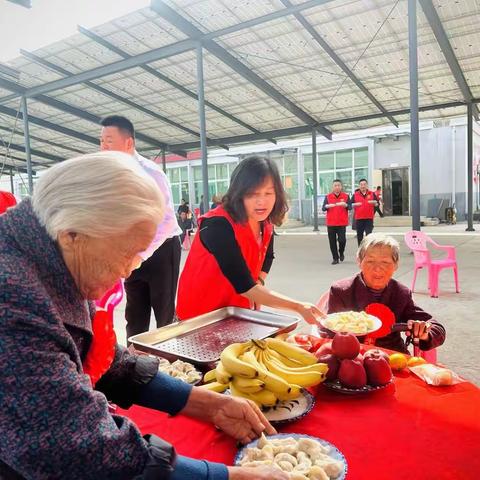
(200, 340)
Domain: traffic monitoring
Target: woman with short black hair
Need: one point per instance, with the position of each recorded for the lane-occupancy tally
(231, 256)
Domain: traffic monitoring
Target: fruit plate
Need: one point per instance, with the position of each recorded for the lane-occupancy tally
(336, 386)
(290, 410)
(334, 452)
(328, 321)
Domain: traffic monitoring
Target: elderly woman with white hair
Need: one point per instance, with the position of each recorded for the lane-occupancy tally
(378, 256)
(89, 223)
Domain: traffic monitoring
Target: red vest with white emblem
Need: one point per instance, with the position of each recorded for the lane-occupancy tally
(337, 216)
(365, 210)
(202, 286)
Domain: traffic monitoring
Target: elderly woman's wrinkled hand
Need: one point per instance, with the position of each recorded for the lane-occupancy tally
(258, 473)
(418, 329)
(240, 418)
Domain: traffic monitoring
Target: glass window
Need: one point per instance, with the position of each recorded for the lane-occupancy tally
(176, 194)
(197, 173)
(307, 163)
(197, 186)
(346, 178)
(211, 172)
(325, 180)
(175, 175)
(290, 163)
(308, 186)
(359, 174)
(343, 159)
(222, 188)
(185, 192)
(361, 157)
(325, 161)
(222, 171)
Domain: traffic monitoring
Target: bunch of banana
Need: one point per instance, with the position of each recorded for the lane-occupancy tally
(265, 371)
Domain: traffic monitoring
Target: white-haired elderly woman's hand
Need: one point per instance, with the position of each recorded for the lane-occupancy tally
(418, 329)
(238, 417)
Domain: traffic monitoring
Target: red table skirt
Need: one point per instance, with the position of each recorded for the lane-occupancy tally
(409, 430)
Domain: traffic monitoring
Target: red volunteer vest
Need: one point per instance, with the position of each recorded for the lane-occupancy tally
(337, 216)
(366, 210)
(202, 286)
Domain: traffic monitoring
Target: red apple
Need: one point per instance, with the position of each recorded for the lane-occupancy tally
(374, 352)
(352, 374)
(345, 345)
(325, 348)
(333, 364)
(378, 370)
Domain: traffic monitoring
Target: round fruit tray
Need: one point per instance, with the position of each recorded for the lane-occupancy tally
(336, 386)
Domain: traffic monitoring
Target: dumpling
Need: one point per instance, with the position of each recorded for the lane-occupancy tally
(317, 473)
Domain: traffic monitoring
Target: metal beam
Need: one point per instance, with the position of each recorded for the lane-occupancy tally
(26, 135)
(77, 112)
(414, 122)
(50, 126)
(470, 168)
(108, 93)
(203, 125)
(23, 3)
(447, 50)
(13, 166)
(37, 153)
(105, 43)
(340, 63)
(315, 180)
(222, 54)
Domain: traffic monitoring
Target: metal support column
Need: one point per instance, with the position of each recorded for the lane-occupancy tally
(12, 187)
(470, 168)
(26, 133)
(315, 180)
(203, 125)
(414, 136)
(164, 162)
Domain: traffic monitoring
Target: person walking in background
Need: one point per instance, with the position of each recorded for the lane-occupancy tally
(183, 207)
(216, 202)
(202, 206)
(154, 283)
(337, 204)
(379, 207)
(364, 202)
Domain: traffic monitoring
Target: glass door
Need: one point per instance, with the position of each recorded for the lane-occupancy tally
(395, 191)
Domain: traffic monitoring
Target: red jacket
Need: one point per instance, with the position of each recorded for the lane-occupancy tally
(6, 200)
(337, 216)
(366, 210)
(202, 286)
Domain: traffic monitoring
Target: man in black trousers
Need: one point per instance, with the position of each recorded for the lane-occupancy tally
(364, 202)
(154, 283)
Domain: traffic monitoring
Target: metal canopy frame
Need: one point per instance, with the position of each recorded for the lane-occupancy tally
(199, 41)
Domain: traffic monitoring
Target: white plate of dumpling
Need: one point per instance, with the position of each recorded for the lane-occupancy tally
(301, 456)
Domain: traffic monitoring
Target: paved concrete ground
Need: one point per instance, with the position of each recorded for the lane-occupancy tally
(302, 270)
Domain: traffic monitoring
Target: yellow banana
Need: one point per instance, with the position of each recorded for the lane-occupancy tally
(316, 367)
(292, 395)
(264, 398)
(215, 387)
(289, 362)
(291, 351)
(233, 364)
(222, 375)
(248, 385)
(210, 376)
(300, 378)
(272, 381)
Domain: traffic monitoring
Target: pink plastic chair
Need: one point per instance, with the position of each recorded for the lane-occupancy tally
(418, 243)
(111, 298)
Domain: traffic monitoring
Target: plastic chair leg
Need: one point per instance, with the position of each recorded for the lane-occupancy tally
(433, 281)
(455, 275)
(414, 278)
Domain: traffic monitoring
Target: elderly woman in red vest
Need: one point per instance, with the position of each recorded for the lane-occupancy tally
(231, 257)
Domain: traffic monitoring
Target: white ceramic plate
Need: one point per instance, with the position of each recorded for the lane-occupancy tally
(328, 323)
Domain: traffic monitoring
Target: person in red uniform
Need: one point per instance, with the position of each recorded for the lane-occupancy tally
(364, 202)
(233, 251)
(337, 204)
(7, 200)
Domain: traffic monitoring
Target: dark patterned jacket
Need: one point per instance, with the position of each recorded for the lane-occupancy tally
(352, 294)
(53, 425)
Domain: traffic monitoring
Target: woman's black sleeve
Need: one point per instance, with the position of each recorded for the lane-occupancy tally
(267, 263)
(216, 235)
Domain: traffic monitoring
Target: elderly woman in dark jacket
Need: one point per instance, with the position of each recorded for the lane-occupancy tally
(86, 225)
(378, 257)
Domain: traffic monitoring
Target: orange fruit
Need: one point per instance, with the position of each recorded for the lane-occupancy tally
(414, 361)
(398, 361)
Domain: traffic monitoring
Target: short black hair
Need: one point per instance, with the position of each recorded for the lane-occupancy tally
(248, 175)
(122, 123)
(362, 180)
(337, 180)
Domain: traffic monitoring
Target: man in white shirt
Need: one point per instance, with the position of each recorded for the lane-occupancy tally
(154, 283)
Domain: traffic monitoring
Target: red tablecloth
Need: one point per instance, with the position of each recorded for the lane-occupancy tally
(408, 431)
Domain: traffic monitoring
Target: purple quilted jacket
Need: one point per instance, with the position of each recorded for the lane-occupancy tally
(52, 423)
